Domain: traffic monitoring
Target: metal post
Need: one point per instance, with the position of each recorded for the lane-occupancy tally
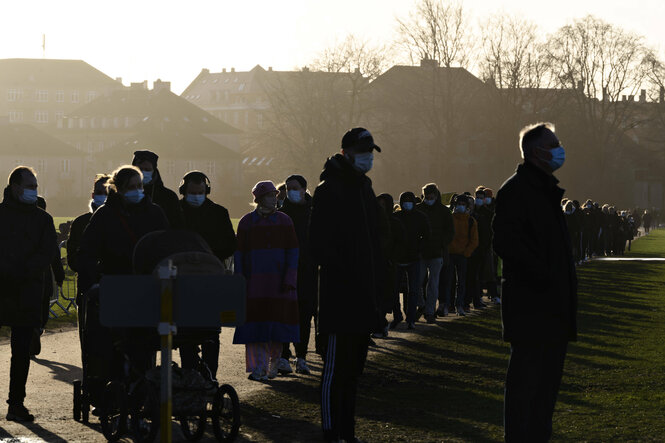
(166, 330)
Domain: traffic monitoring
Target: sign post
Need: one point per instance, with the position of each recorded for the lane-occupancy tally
(166, 329)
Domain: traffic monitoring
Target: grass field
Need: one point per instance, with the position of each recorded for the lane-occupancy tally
(446, 383)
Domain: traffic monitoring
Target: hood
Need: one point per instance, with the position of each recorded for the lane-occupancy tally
(338, 167)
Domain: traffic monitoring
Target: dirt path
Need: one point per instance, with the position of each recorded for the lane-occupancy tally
(49, 390)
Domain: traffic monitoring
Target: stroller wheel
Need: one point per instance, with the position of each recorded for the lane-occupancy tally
(113, 413)
(144, 410)
(77, 400)
(193, 427)
(226, 414)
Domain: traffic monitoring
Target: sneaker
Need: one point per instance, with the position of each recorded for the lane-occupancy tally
(411, 325)
(420, 311)
(283, 367)
(460, 311)
(385, 332)
(301, 367)
(431, 319)
(19, 413)
(258, 375)
(273, 371)
(397, 320)
(441, 312)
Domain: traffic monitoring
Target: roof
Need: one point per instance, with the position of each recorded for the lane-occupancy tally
(173, 144)
(154, 107)
(417, 74)
(50, 72)
(26, 140)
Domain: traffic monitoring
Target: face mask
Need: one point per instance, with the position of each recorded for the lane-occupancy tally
(488, 200)
(99, 199)
(134, 196)
(479, 202)
(294, 196)
(195, 199)
(460, 209)
(558, 157)
(407, 206)
(147, 177)
(363, 162)
(29, 196)
(430, 202)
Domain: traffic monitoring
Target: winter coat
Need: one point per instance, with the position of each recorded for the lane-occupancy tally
(483, 217)
(74, 241)
(345, 244)
(29, 242)
(539, 298)
(107, 245)
(267, 257)
(442, 230)
(212, 222)
(300, 215)
(418, 235)
(165, 199)
(465, 241)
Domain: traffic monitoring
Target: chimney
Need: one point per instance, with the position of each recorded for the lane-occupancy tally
(205, 71)
(159, 85)
(661, 95)
(580, 85)
(605, 93)
(631, 98)
(428, 63)
(224, 70)
(118, 79)
(269, 68)
(643, 96)
(142, 85)
(305, 69)
(623, 98)
(233, 69)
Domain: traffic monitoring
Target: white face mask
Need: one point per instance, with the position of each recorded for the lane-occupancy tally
(364, 162)
(294, 196)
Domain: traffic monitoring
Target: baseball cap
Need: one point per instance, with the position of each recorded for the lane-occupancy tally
(360, 140)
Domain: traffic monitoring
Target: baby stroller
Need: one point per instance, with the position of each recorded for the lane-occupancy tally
(134, 399)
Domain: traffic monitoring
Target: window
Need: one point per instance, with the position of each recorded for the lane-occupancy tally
(210, 168)
(65, 166)
(90, 96)
(189, 165)
(60, 96)
(116, 122)
(41, 116)
(42, 95)
(15, 116)
(170, 168)
(13, 95)
(126, 122)
(70, 123)
(81, 123)
(78, 146)
(75, 96)
(93, 123)
(59, 116)
(41, 166)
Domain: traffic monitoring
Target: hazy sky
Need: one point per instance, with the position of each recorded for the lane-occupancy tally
(172, 40)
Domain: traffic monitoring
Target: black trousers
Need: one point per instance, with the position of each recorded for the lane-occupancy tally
(306, 311)
(209, 355)
(532, 384)
(343, 363)
(20, 363)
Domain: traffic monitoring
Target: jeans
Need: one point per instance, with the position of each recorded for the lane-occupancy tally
(532, 384)
(457, 265)
(434, 266)
(415, 286)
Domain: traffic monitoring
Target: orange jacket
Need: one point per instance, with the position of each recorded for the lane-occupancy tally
(465, 242)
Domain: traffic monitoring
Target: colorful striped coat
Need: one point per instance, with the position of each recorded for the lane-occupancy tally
(267, 257)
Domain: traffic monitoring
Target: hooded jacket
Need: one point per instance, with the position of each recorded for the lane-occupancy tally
(107, 245)
(345, 244)
(539, 297)
(212, 222)
(29, 243)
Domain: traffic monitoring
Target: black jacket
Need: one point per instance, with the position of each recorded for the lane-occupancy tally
(301, 214)
(165, 199)
(483, 216)
(73, 242)
(441, 226)
(417, 232)
(28, 240)
(108, 242)
(539, 298)
(344, 242)
(212, 222)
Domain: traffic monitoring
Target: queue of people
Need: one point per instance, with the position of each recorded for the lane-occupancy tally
(342, 256)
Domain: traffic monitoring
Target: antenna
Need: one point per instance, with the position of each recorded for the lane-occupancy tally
(43, 45)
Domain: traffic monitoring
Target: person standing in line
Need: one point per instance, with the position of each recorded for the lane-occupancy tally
(298, 206)
(267, 257)
(539, 299)
(28, 239)
(212, 222)
(435, 251)
(345, 244)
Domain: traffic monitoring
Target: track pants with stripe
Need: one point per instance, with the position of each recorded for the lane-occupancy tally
(344, 358)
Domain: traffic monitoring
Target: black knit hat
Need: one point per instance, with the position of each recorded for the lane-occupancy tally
(150, 156)
(299, 178)
(360, 140)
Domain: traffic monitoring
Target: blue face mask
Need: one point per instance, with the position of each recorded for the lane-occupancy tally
(460, 209)
(479, 201)
(29, 196)
(364, 162)
(407, 206)
(558, 157)
(294, 196)
(195, 199)
(134, 197)
(147, 177)
(98, 199)
(429, 202)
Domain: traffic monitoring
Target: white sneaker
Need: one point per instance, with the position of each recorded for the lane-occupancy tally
(283, 366)
(301, 367)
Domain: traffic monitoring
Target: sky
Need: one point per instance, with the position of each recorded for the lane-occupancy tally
(173, 40)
